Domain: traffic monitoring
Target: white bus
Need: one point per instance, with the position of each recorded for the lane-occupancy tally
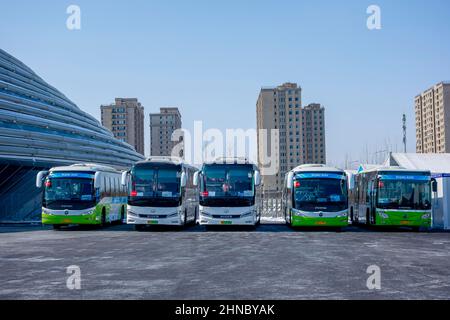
(314, 196)
(229, 192)
(161, 192)
(81, 194)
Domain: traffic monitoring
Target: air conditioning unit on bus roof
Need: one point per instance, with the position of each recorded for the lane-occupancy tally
(230, 160)
(170, 159)
(311, 166)
(93, 166)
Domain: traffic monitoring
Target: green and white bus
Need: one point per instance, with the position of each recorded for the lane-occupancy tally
(315, 196)
(82, 194)
(161, 192)
(393, 196)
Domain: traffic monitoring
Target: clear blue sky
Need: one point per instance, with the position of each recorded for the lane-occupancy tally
(211, 58)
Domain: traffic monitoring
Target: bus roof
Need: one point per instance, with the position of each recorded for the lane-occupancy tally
(166, 160)
(85, 167)
(394, 169)
(230, 160)
(316, 168)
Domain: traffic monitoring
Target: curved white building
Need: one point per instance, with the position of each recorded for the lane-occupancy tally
(42, 128)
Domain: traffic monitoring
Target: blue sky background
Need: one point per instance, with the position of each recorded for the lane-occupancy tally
(211, 58)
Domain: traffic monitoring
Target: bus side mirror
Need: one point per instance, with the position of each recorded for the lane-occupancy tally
(97, 180)
(257, 178)
(434, 186)
(123, 180)
(40, 177)
(290, 180)
(195, 179)
(183, 179)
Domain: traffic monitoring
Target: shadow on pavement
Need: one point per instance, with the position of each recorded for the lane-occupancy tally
(14, 228)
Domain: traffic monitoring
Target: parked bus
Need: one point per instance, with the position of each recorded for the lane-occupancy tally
(393, 196)
(81, 194)
(161, 192)
(229, 193)
(315, 196)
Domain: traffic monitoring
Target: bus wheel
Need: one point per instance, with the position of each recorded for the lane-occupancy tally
(122, 215)
(56, 227)
(103, 223)
(185, 217)
(139, 227)
(196, 216)
(368, 220)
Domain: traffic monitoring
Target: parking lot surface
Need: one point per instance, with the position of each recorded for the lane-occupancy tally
(271, 262)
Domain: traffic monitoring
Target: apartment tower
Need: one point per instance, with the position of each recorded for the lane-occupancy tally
(432, 119)
(162, 126)
(125, 119)
(301, 132)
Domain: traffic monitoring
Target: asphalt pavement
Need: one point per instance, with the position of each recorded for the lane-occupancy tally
(271, 262)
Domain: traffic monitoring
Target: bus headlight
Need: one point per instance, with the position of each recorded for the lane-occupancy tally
(173, 215)
(297, 213)
(343, 214)
(247, 214)
(87, 213)
(131, 214)
(383, 215)
(203, 213)
(426, 216)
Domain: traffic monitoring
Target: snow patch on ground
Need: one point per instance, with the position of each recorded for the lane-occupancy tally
(272, 220)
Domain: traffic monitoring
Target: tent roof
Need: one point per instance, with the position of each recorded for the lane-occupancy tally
(435, 162)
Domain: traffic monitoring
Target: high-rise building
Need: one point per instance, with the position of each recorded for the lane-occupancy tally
(432, 119)
(125, 119)
(301, 136)
(162, 126)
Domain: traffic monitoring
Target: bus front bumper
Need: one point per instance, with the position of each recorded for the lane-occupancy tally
(313, 219)
(169, 220)
(55, 219)
(235, 220)
(403, 218)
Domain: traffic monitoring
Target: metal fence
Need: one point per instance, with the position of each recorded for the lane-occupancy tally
(271, 205)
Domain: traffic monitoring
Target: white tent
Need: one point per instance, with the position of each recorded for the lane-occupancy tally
(439, 165)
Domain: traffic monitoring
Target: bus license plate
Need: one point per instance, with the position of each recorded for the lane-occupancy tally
(225, 222)
(321, 223)
(404, 223)
(152, 222)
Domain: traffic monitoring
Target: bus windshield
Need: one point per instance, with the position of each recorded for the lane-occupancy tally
(227, 185)
(329, 195)
(402, 194)
(69, 193)
(155, 187)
